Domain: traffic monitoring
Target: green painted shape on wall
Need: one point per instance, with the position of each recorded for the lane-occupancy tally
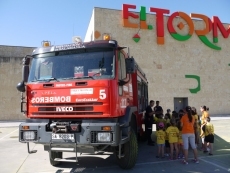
(197, 89)
(180, 37)
(215, 39)
(143, 14)
(150, 27)
(229, 64)
(136, 39)
(205, 40)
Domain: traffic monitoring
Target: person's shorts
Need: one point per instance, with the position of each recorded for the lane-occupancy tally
(209, 138)
(167, 144)
(161, 145)
(189, 138)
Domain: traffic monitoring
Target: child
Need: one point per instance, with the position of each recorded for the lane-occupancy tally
(168, 114)
(174, 115)
(209, 136)
(159, 120)
(180, 142)
(167, 146)
(181, 113)
(160, 134)
(167, 118)
(173, 133)
(196, 126)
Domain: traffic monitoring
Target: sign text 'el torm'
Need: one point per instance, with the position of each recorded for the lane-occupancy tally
(213, 24)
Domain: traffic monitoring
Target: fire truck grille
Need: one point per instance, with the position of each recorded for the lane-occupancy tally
(67, 109)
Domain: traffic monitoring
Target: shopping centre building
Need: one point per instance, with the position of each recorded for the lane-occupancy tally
(186, 57)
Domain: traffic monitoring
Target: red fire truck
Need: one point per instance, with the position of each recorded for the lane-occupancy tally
(83, 97)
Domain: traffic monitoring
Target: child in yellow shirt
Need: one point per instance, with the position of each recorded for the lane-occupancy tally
(173, 133)
(160, 134)
(208, 131)
(159, 120)
(167, 118)
(167, 146)
(180, 142)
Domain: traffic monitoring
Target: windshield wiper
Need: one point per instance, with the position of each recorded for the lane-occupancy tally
(82, 77)
(46, 79)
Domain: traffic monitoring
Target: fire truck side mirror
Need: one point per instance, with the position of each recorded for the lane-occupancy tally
(130, 65)
(21, 87)
(25, 73)
(25, 68)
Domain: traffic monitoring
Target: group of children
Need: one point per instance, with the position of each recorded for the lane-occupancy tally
(169, 136)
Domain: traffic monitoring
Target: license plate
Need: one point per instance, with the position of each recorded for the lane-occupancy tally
(62, 136)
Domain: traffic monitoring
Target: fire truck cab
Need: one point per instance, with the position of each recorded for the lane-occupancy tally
(83, 97)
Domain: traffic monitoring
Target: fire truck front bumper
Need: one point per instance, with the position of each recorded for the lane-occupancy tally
(89, 132)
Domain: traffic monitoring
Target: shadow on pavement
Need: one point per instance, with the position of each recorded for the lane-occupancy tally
(95, 162)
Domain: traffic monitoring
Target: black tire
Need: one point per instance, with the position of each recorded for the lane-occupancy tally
(54, 155)
(130, 152)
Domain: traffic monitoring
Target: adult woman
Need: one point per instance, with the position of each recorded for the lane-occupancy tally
(196, 126)
(188, 136)
(205, 114)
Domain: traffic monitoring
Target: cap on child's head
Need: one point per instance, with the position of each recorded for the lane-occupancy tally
(161, 125)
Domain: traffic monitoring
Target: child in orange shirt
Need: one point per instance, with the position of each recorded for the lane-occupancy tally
(160, 134)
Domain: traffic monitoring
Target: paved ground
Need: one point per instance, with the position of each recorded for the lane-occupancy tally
(15, 159)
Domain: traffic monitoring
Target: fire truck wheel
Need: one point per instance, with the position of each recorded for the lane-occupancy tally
(129, 152)
(53, 156)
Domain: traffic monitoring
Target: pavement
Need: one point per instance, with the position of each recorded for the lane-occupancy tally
(15, 158)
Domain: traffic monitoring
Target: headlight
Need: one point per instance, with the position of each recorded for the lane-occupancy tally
(104, 137)
(29, 135)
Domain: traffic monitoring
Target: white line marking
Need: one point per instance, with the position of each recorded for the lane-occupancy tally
(217, 140)
(226, 169)
(8, 134)
(199, 158)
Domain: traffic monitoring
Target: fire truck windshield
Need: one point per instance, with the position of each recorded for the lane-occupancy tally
(88, 64)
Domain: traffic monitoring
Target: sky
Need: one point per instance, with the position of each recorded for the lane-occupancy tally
(29, 22)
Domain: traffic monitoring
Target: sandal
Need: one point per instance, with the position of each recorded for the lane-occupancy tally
(185, 162)
(195, 161)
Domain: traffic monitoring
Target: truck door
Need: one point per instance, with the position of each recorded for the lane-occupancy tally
(125, 91)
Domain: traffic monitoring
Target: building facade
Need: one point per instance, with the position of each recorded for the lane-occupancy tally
(10, 76)
(186, 59)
